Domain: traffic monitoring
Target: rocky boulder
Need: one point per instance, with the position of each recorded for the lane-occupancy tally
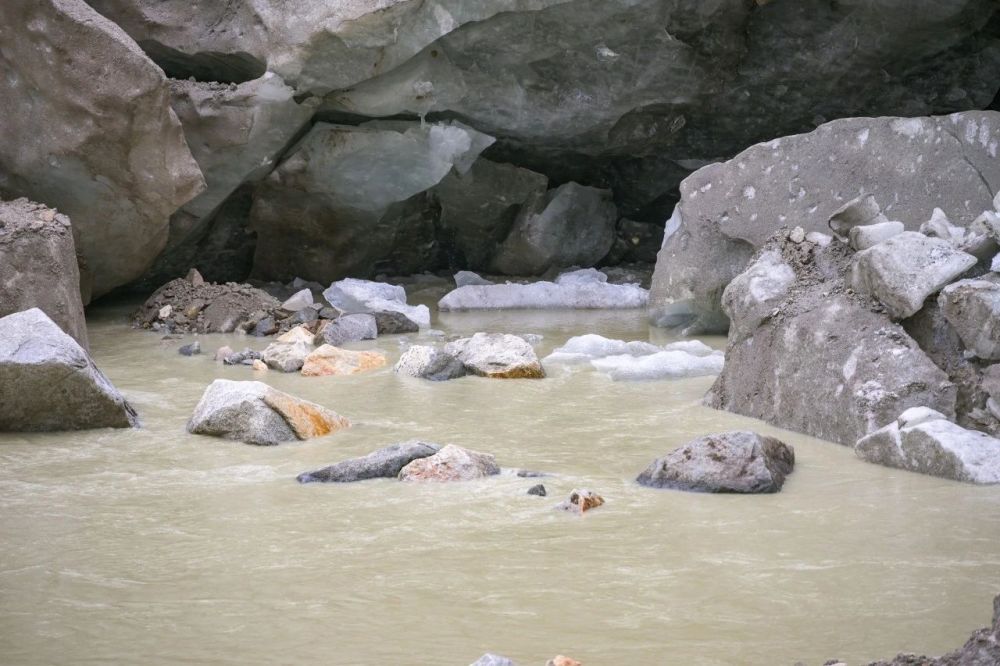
(48, 382)
(581, 501)
(384, 463)
(394, 323)
(350, 328)
(286, 356)
(255, 413)
(38, 266)
(451, 463)
(729, 462)
(728, 210)
(429, 363)
(822, 339)
(972, 307)
(904, 270)
(327, 361)
(111, 156)
(497, 355)
(925, 441)
(571, 225)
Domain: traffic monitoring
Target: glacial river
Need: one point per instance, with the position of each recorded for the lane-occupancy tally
(158, 547)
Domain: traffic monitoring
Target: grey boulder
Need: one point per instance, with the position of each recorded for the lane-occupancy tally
(48, 382)
(427, 362)
(497, 355)
(451, 463)
(972, 307)
(729, 209)
(752, 295)
(255, 413)
(870, 235)
(925, 441)
(350, 328)
(383, 463)
(286, 356)
(38, 266)
(572, 225)
(394, 323)
(112, 155)
(729, 462)
(904, 270)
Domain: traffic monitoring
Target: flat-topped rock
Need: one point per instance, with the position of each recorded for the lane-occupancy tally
(255, 413)
(730, 462)
(327, 360)
(972, 307)
(48, 382)
(430, 363)
(350, 328)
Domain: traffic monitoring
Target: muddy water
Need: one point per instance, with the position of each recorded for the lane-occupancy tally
(159, 547)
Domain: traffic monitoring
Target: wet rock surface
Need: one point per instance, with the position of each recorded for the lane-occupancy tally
(255, 413)
(497, 356)
(427, 362)
(328, 361)
(730, 462)
(48, 382)
(38, 266)
(580, 501)
(451, 463)
(384, 463)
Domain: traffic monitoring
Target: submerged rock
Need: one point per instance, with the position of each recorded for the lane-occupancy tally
(729, 209)
(192, 349)
(581, 501)
(491, 659)
(569, 291)
(255, 413)
(38, 266)
(571, 225)
(451, 463)
(111, 156)
(497, 355)
(300, 300)
(363, 296)
(383, 463)
(328, 360)
(429, 363)
(48, 382)
(904, 270)
(729, 462)
(925, 441)
(538, 490)
(982, 649)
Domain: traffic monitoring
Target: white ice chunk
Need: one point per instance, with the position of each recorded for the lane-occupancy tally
(353, 296)
(662, 365)
(583, 295)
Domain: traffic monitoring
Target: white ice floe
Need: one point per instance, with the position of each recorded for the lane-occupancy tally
(584, 290)
(584, 348)
(661, 365)
(358, 296)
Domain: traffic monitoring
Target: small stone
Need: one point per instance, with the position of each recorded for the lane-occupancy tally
(259, 365)
(491, 659)
(537, 490)
(191, 349)
(194, 277)
(264, 327)
(581, 501)
(298, 301)
(797, 235)
(328, 312)
(297, 334)
(223, 353)
(165, 311)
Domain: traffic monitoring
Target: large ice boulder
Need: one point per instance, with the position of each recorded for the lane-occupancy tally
(727, 210)
(384, 463)
(349, 198)
(730, 462)
(584, 348)
(255, 413)
(48, 381)
(38, 266)
(825, 362)
(88, 129)
(572, 225)
(674, 364)
(364, 296)
(925, 441)
(582, 290)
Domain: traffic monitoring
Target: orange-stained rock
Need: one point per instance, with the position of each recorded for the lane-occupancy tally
(581, 501)
(452, 463)
(305, 418)
(560, 660)
(259, 365)
(329, 360)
